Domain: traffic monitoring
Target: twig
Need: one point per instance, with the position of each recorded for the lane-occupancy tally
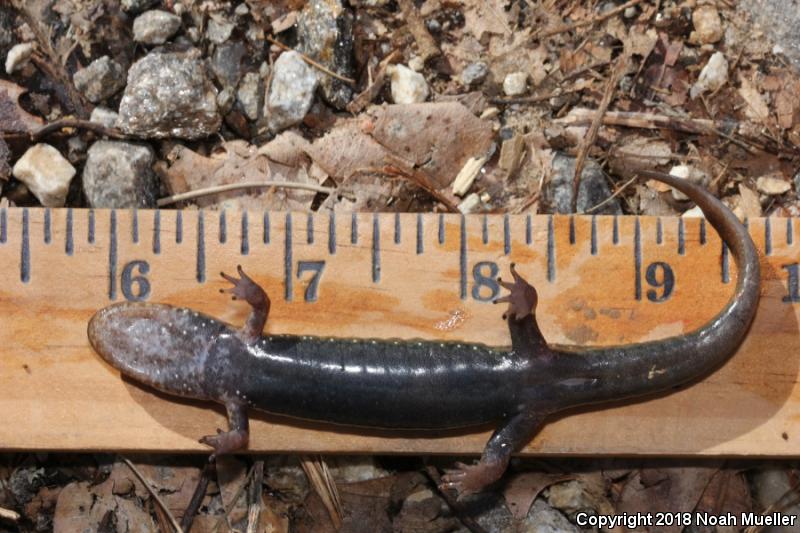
(198, 495)
(589, 22)
(456, 507)
(311, 62)
(236, 496)
(616, 193)
(366, 96)
(254, 497)
(582, 117)
(219, 189)
(531, 99)
(9, 515)
(419, 178)
(320, 478)
(591, 135)
(95, 127)
(153, 493)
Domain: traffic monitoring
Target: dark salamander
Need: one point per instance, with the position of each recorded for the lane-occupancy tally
(417, 384)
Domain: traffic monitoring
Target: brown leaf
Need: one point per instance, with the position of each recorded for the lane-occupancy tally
(14, 119)
(523, 488)
(231, 474)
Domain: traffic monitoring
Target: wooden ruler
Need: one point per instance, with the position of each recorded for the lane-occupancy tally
(601, 280)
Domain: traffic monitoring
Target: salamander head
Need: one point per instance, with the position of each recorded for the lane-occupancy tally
(159, 345)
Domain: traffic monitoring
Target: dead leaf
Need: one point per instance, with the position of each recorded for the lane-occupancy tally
(231, 475)
(486, 16)
(756, 108)
(14, 119)
(523, 488)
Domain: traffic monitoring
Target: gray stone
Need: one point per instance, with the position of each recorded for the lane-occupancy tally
(218, 31)
(103, 77)
(169, 95)
(325, 33)
(18, 57)
(225, 100)
(779, 20)
(408, 87)
(137, 6)
(593, 188)
(104, 116)
(155, 27)
(120, 175)
(291, 92)
(226, 63)
(474, 73)
(544, 519)
(46, 173)
(251, 95)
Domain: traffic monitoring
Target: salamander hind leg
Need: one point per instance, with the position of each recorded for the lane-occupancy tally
(237, 436)
(514, 434)
(248, 290)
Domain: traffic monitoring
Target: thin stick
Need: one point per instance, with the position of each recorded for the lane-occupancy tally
(236, 496)
(77, 123)
(589, 22)
(531, 99)
(254, 495)
(153, 493)
(591, 135)
(8, 514)
(312, 62)
(198, 495)
(456, 507)
(616, 193)
(219, 189)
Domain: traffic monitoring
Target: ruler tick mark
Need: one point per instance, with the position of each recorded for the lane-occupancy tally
(245, 237)
(3, 225)
(25, 252)
(376, 248)
(265, 229)
(112, 256)
(332, 233)
(287, 258)
(726, 275)
(201, 248)
(397, 228)
(354, 229)
(571, 229)
(789, 231)
(135, 226)
(593, 246)
(179, 227)
(223, 227)
(506, 235)
(48, 234)
(615, 231)
(310, 228)
(659, 231)
(485, 230)
(68, 242)
(551, 250)
(528, 230)
(420, 232)
(637, 259)
(156, 232)
(441, 228)
(90, 236)
(681, 237)
(767, 236)
(462, 257)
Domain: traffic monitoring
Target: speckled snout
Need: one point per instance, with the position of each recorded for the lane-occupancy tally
(159, 345)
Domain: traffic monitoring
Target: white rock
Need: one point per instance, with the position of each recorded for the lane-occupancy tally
(18, 57)
(416, 64)
(773, 184)
(692, 174)
(713, 76)
(104, 116)
(291, 92)
(515, 83)
(707, 25)
(470, 204)
(408, 87)
(46, 173)
(155, 26)
(694, 212)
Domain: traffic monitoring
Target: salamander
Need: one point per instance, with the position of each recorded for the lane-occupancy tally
(422, 384)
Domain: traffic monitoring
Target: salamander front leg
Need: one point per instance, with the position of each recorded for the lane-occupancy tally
(236, 437)
(514, 434)
(248, 290)
(526, 338)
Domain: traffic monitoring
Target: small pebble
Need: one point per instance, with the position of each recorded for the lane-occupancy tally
(219, 31)
(416, 63)
(155, 27)
(515, 84)
(408, 87)
(470, 204)
(225, 100)
(707, 25)
(474, 73)
(18, 57)
(630, 12)
(120, 175)
(291, 92)
(773, 184)
(694, 212)
(713, 76)
(46, 173)
(137, 6)
(692, 174)
(103, 77)
(250, 95)
(104, 116)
